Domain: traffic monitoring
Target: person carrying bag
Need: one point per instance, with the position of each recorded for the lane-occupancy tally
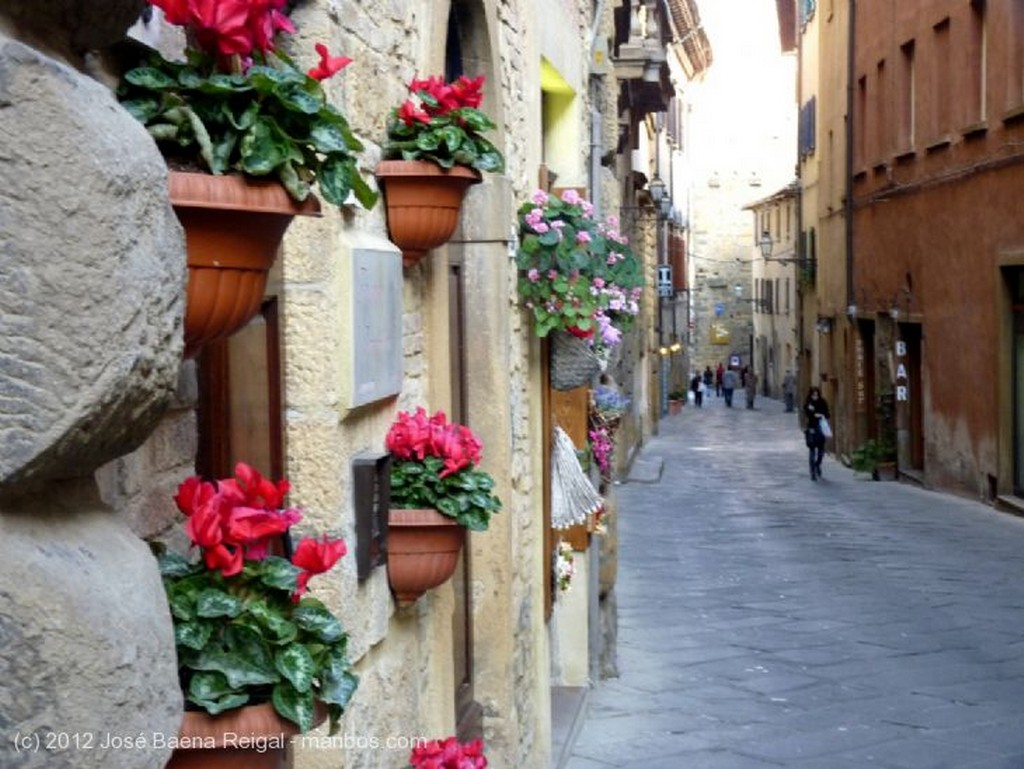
(817, 414)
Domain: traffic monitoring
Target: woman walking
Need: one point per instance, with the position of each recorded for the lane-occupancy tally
(815, 410)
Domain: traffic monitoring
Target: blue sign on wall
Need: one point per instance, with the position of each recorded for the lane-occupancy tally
(719, 309)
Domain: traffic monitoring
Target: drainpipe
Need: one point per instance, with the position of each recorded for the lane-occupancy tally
(848, 203)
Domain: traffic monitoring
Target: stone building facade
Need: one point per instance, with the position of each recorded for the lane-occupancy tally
(93, 370)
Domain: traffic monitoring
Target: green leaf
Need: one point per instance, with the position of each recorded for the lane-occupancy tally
(202, 137)
(335, 179)
(176, 565)
(150, 77)
(261, 153)
(217, 603)
(366, 195)
(319, 621)
(294, 97)
(296, 187)
(280, 630)
(192, 635)
(279, 573)
(142, 109)
(296, 706)
(238, 670)
(211, 692)
(295, 663)
(428, 141)
(338, 687)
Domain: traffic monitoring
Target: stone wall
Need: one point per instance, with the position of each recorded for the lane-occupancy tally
(91, 272)
(404, 656)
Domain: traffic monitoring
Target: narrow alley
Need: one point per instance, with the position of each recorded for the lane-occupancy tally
(766, 620)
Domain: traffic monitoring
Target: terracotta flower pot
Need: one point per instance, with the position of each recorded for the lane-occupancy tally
(233, 229)
(252, 737)
(423, 550)
(423, 202)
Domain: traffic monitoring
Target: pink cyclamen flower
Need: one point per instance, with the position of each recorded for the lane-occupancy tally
(533, 275)
(540, 227)
(540, 197)
(571, 196)
(583, 236)
(588, 208)
(552, 274)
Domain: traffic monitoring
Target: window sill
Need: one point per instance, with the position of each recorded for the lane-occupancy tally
(905, 156)
(1014, 114)
(975, 130)
(860, 175)
(939, 144)
(880, 167)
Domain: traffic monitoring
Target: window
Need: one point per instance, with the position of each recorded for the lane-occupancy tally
(860, 124)
(807, 127)
(881, 148)
(1015, 55)
(941, 90)
(905, 98)
(977, 56)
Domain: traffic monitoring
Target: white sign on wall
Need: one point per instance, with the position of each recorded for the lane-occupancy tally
(375, 316)
(902, 390)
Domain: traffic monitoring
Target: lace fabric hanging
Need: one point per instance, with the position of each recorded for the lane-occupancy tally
(573, 497)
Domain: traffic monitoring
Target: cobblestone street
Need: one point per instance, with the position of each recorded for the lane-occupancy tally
(766, 620)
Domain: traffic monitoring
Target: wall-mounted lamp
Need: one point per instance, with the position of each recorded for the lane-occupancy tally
(851, 311)
(765, 244)
(657, 189)
(676, 347)
(823, 326)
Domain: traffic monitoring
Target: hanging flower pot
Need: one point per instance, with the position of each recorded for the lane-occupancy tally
(423, 202)
(252, 737)
(233, 229)
(423, 551)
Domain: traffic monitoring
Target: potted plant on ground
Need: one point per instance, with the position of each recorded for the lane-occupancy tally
(435, 149)
(876, 457)
(578, 278)
(437, 493)
(676, 401)
(246, 135)
(258, 657)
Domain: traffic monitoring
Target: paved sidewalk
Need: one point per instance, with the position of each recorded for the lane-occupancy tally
(766, 620)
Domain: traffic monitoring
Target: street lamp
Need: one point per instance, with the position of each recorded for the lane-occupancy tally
(766, 245)
(657, 189)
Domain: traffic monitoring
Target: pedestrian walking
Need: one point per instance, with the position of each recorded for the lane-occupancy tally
(751, 385)
(789, 390)
(816, 430)
(728, 385)
(697, 386)
(719, 370)
(709, 379)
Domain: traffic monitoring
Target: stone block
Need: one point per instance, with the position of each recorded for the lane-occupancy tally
(86, 642)
(92, 269)
(74, 25)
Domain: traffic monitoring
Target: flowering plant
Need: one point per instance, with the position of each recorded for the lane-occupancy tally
(441, 122)
(603, 448)
(448, 754)
(238, 104)
(434, 465)
(245, 630)
(565, 566)
(576, 273)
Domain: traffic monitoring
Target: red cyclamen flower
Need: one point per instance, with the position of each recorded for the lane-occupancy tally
(328, 64)
(467, 91)
(315, 556)
(229, 27)
(410, 113)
